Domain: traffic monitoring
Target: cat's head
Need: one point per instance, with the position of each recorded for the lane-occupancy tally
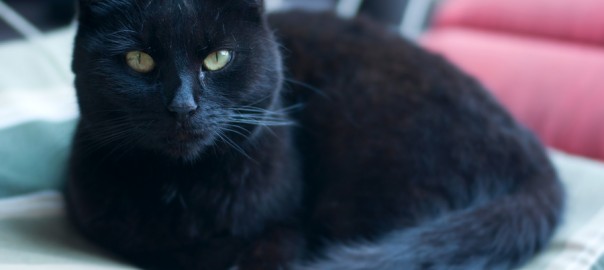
(175, 76)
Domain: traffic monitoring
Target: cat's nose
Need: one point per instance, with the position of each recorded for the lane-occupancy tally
(183, 103)
(183, 109)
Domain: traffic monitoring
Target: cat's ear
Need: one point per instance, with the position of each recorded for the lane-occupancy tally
(258, 5)
(99, 7)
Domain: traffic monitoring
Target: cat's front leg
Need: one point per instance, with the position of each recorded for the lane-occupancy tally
(275, 250)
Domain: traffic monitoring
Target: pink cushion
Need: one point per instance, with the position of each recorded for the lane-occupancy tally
(544, 59)
(576, 20)
(555, 88)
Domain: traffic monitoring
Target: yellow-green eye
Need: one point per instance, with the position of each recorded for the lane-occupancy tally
(217, 60)
(140, 61)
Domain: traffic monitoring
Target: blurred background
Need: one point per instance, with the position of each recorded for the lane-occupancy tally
(47, 15)
(44, 14)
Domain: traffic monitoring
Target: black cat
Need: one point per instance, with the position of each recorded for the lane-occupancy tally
(197, 149)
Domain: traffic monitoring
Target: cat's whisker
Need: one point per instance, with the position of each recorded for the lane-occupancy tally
(96, 144)
(121, 145)
(307, 86)
(278, 44)
(262, 123)
(232, 144)
(109, 134)
(274, 120)
(133, 141)
(130, 111)
(240, 128)
(234, 131)
(259, 113)
(259, 117)
(263, 111)
(126, 141)
(279, 112)
(297, 106)
(114, 130)
(271, 95)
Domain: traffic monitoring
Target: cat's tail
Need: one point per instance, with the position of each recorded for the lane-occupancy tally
(500, 234)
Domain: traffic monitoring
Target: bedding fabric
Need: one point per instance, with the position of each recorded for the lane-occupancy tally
(34, 233)
(36, 127)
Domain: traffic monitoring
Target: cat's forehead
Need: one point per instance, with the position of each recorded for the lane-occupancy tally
(167, 25)
(175, 7)
(164, 12)
(173, 14)
(188, 19)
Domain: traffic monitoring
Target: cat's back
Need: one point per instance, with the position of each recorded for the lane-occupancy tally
(361, 81)
(382, 117)
(344, 66)
(329, 52)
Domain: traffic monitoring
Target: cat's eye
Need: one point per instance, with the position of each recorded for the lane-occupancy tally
(217, 60)
(140, 61)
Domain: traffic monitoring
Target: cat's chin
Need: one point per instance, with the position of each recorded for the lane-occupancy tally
(186, 150)
(185, 146)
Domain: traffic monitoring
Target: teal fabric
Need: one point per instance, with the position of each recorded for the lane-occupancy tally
(36, 238)
(599, 264)
(33, 156)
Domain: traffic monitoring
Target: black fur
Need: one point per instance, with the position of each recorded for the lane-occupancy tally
(369, 153)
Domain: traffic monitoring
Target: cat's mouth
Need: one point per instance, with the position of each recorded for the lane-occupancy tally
(186, 136)
(185, 144)
(185, 132)
(181, 140)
